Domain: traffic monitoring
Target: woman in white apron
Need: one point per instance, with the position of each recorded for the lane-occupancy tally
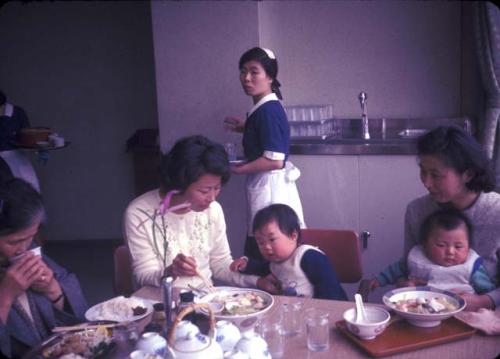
(12, 119)
(266, 141)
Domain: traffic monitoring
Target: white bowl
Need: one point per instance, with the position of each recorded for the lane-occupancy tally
(424, 292)
(377, 319)
(243, 321)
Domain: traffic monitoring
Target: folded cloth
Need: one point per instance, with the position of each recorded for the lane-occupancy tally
(487, 321)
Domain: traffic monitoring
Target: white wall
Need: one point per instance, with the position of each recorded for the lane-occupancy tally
(405, 55)
(86, 70)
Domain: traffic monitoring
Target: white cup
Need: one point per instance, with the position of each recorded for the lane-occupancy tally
(318, 329)
(292, 318)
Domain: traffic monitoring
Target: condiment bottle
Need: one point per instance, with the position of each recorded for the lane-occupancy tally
(187, 299)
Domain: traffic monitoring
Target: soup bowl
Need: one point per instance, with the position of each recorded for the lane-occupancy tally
(377, 320)
(241, 306)
(424, 306)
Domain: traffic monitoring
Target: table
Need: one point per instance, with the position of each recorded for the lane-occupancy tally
(478, 346)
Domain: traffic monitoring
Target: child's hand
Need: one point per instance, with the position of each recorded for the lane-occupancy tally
(270, 284)
(239, 265)
(413, 282)
(366, 286)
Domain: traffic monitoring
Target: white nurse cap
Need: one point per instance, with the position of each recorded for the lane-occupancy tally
(269, 53)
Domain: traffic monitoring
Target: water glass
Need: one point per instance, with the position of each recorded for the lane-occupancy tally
(318, 329)
(271, 328)
(231, 151)
(292, 318)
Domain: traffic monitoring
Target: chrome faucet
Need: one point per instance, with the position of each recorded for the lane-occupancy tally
(363, 98)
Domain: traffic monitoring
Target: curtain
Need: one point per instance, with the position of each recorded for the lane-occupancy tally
(487, 36)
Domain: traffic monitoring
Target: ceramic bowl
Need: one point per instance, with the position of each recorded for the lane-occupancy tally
(377, 320)
(427, 293)
(243, 321)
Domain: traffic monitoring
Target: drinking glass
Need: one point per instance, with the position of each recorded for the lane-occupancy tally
(318, 329)
(271, 329)
(231, 151)
(292, 318)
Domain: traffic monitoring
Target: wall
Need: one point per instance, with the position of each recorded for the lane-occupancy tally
(405, 55)
(85, 69)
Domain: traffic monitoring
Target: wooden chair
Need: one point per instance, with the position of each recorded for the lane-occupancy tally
(343, 249)
(122, 278)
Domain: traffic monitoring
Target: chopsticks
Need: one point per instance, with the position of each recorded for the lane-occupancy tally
(82, 326)
(205, 281)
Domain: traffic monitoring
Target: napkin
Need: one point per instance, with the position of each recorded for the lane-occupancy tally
(487, 321)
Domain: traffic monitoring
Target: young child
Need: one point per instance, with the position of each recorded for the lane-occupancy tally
(302, 270)
(444, 259)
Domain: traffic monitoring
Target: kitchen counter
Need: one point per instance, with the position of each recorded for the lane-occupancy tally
(336, 146)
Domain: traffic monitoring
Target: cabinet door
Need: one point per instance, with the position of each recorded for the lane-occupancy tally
(329, 190)
(386, 185)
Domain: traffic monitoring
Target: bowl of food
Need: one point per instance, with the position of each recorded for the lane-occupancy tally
(424, 306)
(241, 306)
(375, 323)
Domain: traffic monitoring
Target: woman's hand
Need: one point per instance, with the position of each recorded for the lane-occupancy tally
(475, 302)
(183, 266)
(239, 265)
(21, 275)
(270, 284)
(234, 124)
(46, 283)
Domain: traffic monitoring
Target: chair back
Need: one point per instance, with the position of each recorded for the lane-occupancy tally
(122, 278)
(341, 247)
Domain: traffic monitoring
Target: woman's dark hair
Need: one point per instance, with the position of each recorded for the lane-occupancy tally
(270, 66)
(20, 206)
(462, 152)
(3, 98)
(286, 218)
(189, 159)
(447, 219)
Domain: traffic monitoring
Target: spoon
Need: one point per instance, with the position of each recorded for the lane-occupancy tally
(360, 309)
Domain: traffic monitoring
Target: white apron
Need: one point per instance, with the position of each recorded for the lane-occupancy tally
(277, 186)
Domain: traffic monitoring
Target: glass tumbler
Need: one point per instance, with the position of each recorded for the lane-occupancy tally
(292, 318)
(271, 329)
(318, 329)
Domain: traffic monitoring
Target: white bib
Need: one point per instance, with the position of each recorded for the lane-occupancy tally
(293, 279)
(454, 277)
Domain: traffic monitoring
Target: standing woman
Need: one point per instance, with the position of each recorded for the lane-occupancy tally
(266, 141)
(457, 173)
(35, 293)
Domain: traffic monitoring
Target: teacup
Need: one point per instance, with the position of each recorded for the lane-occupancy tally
(376, 322)
(253, 345)
(227, 334)
(184, 328)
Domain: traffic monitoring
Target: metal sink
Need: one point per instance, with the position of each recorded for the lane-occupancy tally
(387, 136)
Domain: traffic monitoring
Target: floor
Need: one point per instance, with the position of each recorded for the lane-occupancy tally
(91, 261)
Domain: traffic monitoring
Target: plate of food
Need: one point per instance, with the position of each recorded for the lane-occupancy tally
(242, 306)
(120, 309)
(424, 306)
(96, 342)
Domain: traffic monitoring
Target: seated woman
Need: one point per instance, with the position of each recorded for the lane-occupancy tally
(35, 293)
(179, 229)
(457, 173)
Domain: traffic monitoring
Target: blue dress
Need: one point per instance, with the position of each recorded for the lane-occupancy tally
(267, 134)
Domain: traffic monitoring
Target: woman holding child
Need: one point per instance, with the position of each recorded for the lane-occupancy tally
(179, 229)
(457, 173)
(35, 293)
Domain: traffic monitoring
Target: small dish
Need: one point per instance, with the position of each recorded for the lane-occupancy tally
(120, 309)
(427, 293)
(376, 322)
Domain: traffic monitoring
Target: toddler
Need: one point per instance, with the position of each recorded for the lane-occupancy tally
(302, 270)
(443, 260)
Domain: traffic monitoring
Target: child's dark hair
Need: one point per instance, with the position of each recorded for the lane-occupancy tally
(270, 66)
(286, 218)
(20, 206)
(462, 152)
(447, 219)
(189, 159)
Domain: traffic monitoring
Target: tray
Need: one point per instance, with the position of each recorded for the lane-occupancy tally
(38, 147)
(401, 336)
